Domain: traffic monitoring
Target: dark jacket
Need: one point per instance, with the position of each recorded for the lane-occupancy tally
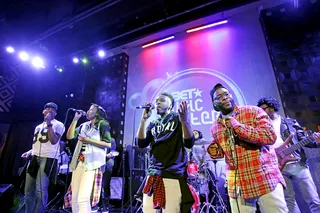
(291, 126)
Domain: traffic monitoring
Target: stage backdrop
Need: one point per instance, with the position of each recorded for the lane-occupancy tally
(234, 54)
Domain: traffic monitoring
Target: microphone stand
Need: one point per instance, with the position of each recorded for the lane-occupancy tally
(123, 158)
(65, 187)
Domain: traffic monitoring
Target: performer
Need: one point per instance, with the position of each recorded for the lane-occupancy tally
(43, 167)
(166, 187)
(63, 159)
(88, 159)
(295, 173)
(244, 135)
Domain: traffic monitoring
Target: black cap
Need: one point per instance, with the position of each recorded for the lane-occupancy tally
(215, 88)
(51, 105)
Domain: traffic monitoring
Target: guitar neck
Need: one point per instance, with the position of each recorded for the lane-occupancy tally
(298, 145)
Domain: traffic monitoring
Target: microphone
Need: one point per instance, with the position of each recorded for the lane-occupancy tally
(68, 151)
(145, 107)
(79, 111)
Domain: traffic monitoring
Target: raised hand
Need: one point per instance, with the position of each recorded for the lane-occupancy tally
(77, 115)
(183, 112)
(316, 136)
(48, 118)
(147, 112)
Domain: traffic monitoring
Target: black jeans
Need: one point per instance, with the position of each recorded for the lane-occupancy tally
(106, 182)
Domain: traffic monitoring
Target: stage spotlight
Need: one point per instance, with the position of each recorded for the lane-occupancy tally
(23, 56)
(10, 49)
(60, 69)
(84, 60)
(75, 60)
(37, 62)
(101, 53)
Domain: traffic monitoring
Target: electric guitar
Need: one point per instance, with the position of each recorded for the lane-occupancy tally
(112, 154)
(284, 152)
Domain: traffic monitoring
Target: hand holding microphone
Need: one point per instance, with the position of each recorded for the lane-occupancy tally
(78, 113)
(148, 107)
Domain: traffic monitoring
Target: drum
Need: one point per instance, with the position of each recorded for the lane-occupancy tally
(192, 170)
(196, 206)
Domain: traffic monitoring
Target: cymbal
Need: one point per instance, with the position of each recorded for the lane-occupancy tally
(217, 159)
(202, 142)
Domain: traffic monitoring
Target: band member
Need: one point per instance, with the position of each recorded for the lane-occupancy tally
(166, 186)
(89, 158)
(295, 173)
(243, 135)
(43, 166)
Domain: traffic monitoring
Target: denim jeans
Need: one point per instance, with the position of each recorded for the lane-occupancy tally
(81, 185)
(297, 175)
(36, 190)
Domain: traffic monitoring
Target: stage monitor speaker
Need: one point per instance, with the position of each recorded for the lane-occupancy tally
(116, 187)
(11, 200)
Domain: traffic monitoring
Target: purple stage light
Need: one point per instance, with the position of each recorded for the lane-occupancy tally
(101, 53)
(10, 49)
(75, 60)
(37, 62)
(23, 56)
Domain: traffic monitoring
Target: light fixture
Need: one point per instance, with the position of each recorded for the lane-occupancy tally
(84, 60)
(101, 53)
(75, 60)
(37, 62)
(207, 26)
(23, 56)
(10, 49)
(157, 42)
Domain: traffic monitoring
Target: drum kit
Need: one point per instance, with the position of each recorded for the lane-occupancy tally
(203, 182)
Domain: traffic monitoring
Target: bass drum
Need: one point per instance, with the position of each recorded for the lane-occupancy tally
(192, 170)
(196, 206)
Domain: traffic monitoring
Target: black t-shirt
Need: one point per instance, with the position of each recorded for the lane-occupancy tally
(168, 157)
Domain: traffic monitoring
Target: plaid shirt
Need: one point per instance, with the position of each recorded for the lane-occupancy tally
(254, 163)
(156, 187)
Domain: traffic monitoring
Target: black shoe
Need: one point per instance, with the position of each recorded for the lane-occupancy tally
(105, 209)
(95, 208)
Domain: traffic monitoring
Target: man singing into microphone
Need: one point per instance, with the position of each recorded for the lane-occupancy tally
(243, 135)
(166, 186)
(43, 166)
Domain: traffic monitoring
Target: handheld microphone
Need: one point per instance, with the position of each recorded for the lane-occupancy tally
(145, 107)
(79, 111)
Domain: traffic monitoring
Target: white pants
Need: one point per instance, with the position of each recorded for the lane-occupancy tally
(173, 198)
(272, 202)
(81, 185)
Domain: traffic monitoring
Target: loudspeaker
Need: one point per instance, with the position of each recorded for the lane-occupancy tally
(116, 187)
(11, 200)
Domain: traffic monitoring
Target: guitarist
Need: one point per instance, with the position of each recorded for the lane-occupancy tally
(296, 173)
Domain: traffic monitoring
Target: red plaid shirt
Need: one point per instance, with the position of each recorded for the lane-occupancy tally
(258, 172)
(156, 187)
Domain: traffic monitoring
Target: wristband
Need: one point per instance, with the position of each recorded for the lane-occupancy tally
(49, 125)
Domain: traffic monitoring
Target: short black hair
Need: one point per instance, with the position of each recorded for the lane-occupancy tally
(270, 102)
(215, 88)
(169, 96)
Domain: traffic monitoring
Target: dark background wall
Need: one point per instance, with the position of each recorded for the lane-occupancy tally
(293, 37)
